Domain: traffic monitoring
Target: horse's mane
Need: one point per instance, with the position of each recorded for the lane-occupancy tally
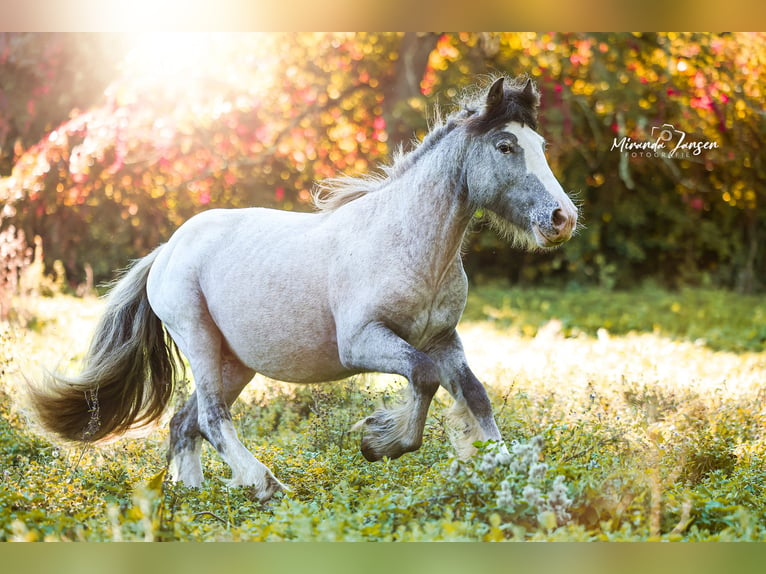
(329, 194)
(332, 193)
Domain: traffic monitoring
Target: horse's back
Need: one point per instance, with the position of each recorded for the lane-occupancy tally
(216, 238)
(261, 275)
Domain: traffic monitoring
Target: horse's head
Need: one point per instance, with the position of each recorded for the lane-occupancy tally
(506, 171)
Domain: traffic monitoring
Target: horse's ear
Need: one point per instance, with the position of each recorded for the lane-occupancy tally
(495, 95)
(529, 94)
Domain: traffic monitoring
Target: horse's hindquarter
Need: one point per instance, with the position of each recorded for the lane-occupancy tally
(262, 276)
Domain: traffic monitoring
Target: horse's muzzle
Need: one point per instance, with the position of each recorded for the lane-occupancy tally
(558, 228)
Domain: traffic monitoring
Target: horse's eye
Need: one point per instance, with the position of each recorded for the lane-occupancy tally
(505, 147)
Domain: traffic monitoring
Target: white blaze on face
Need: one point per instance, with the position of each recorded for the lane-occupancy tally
(533, 145)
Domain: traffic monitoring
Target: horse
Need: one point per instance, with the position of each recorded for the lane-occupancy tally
(371, 281)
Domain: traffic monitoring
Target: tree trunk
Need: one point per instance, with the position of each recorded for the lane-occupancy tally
(405, 84)
(746, 281)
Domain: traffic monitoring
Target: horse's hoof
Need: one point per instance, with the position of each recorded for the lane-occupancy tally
(369, 452)
(263, 487)
(376, 445)
(273, 485)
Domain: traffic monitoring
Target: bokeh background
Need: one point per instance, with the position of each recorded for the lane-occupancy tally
(106, 64)
(108, 142)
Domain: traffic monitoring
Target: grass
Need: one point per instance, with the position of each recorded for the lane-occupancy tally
(641, 413)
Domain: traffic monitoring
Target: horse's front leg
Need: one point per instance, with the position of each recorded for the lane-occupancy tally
(391, 432)
(470, 418)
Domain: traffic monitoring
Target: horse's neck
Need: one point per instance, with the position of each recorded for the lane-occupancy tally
(430, 204)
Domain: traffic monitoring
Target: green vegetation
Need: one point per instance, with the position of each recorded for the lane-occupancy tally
(629, 416)
(718, 319)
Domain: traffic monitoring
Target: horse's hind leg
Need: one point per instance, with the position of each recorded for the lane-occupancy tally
(202, 345)
(392, 432)
(186, 445)
(185, 436)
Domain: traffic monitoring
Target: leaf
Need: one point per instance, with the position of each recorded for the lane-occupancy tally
(155, 483)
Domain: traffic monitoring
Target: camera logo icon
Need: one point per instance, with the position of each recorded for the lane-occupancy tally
(666, 133)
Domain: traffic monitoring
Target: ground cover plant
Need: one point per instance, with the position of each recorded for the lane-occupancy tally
(628, 416)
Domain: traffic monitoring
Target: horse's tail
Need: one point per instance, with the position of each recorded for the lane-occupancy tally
(129, 371)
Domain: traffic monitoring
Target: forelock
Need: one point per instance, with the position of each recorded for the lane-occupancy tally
(518, 105)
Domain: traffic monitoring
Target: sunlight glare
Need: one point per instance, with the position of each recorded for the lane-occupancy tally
(183, 61)
(168, 55)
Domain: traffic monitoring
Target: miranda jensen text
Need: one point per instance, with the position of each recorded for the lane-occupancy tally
(658, 147)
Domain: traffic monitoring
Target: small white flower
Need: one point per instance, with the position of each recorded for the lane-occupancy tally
(532, 495)
(487, 463)
(525, 455)
(503, 457)
(505, 497)
(559, 501)
(537, 471)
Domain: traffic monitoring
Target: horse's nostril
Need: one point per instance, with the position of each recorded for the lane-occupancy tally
(558, 219)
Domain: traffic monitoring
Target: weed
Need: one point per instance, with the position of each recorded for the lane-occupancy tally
(627, 416)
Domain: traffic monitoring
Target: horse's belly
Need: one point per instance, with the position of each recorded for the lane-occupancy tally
(292, 347)
(267, 297)
(296, 364)
(312, 369)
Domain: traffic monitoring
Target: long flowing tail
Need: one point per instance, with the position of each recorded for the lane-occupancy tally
(129, 371)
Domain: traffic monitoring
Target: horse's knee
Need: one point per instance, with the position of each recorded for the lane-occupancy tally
(425, 377)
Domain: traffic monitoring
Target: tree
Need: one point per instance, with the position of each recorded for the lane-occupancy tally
(198, 121)
(43, 77)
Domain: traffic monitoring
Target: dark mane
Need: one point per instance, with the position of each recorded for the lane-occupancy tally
(483, 109)
(405, 160)
(332, 193)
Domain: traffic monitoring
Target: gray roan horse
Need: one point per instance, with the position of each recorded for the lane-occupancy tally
(372, 282)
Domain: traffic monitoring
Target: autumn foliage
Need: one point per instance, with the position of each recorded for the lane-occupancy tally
(157, 130)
